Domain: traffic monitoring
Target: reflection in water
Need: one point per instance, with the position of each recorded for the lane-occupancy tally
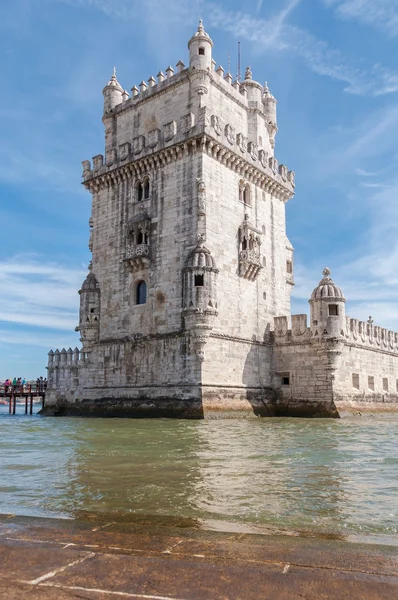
(333, 477)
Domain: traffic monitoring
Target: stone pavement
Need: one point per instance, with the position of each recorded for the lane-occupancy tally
(64, 559)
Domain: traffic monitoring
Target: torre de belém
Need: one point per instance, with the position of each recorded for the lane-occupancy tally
(185, 311)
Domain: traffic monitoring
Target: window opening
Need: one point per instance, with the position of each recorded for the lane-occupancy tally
(371, 382)
(385, 384)
(333, 310)
(246, 195)
(355, 381)
(140, 238)
(289, 266)
(146, 190)
(199, 281)
(285, 380)
(141, 293)
(139, 192)
(202, 51)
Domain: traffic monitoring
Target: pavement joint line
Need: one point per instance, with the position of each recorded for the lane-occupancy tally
(60, 569)
(103, 526)
(169, 550)
(99, 591)
(209, 556)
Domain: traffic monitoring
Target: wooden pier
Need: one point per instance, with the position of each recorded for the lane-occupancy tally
(28, 392)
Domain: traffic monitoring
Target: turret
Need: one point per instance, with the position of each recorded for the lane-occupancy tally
(200, 47)
(89, 310)
(200, 296)
(269, 106)
(327, 308)
(113, 93)
(254, 89)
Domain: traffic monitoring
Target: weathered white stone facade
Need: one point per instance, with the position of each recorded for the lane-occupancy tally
(191, 266)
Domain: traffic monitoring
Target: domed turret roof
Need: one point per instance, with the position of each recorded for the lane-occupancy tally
(90, 284)
(200, 34)
(326, 288)
(113, 82)
(201, 257)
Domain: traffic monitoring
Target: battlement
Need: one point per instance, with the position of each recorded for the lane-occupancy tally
(359, 333)
(64, 358)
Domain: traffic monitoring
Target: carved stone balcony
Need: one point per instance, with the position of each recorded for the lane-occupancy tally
(249, 264)
(139, 256)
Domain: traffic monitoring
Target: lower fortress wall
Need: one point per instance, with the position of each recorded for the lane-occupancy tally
(165, 376)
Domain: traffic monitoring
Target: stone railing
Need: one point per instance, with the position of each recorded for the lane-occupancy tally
(138, 251)
(249, 264)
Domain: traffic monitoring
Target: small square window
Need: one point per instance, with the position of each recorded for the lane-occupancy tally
(199, 281)
(285, 380)
(202, 51)
(333, 310)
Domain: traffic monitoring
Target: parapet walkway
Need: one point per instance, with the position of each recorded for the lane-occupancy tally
(61, 559)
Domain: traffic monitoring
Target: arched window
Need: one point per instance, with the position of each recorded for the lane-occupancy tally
(146, 189)
(140, 238)
(141, 292)
(140, 191)
(246, 195)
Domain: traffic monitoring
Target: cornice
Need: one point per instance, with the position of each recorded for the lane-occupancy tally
(270, 182)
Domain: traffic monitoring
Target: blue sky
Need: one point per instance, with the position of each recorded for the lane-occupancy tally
(331, 64)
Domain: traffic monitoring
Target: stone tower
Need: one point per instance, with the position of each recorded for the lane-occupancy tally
(327, 304)
(190, 259)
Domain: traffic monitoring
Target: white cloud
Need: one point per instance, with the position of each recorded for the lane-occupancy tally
(37, 294)
(273, 34)
(382, 14)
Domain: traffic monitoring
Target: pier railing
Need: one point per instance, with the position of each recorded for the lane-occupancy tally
(25, 391)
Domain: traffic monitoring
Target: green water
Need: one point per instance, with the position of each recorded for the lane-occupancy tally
(304, 477)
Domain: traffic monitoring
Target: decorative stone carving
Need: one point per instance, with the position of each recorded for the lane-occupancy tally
(138, 144)
(263, 156)
(280, 326)
(153, 138)
(283, 172)
(241, 141)
(86, 169)
(124, 150)
(250, 262)
(253, 150)
(291, 178)
(216, 124)
(201, 197)
(230, 134)
(98, 162)
(187, 122)
(110, 157)
(169, 130)
(273, 164)
(299, 325)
